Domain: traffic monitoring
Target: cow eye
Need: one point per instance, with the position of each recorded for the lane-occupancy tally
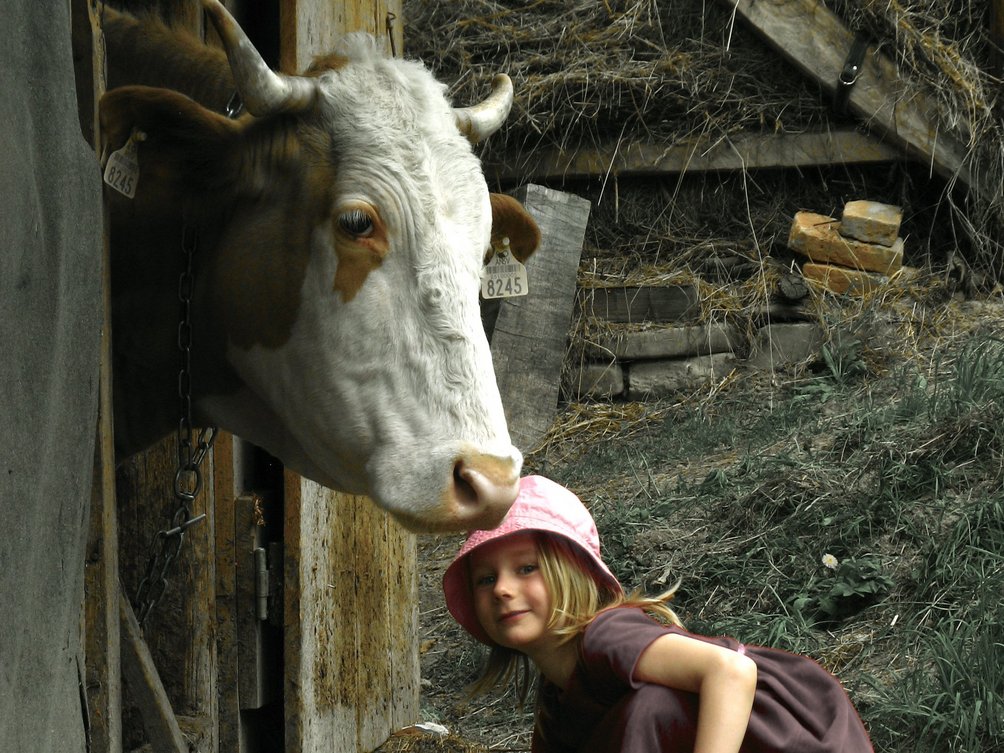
(356, 223)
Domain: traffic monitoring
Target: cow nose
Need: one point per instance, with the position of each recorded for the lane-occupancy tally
(483, 489)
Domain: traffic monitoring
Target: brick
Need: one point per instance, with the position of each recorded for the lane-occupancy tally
(843, 280)
(818, 237)
(871, 222)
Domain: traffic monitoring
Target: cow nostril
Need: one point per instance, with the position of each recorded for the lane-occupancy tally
(466, 494)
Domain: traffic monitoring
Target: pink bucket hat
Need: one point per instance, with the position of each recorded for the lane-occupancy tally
(542, 505)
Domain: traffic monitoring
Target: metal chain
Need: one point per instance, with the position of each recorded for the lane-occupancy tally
(191, 452)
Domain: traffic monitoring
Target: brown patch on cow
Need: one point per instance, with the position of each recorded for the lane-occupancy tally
(263, 260)
(324, 63)
(357, 255)
(510, 220)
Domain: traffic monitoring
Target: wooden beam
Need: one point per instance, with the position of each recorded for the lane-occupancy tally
(145, 687)
(670, 303)
(742, 151)
(816, 41)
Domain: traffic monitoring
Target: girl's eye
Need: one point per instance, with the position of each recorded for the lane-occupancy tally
(527, 569)
(484, 580)
(356, 223)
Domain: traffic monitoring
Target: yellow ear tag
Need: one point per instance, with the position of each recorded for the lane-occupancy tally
(122, 170)
(504, 276)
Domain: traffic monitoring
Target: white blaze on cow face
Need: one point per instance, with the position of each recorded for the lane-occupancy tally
(387, 356)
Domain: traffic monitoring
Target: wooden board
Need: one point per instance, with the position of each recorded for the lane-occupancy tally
(530, 336)
(816, 41)
(672, 303)
(743, 151)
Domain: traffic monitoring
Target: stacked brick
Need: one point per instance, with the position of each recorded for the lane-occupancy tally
(857, 253)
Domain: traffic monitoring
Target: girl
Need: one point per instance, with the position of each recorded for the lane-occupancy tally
(612, 678)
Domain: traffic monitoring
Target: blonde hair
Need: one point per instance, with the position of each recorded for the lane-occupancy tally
(576, 598)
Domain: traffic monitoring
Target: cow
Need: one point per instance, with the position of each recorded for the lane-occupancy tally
(336, 229)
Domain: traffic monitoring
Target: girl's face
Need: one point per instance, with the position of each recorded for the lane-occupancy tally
(511, 600)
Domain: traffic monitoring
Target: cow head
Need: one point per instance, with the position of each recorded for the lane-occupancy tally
(342, 225)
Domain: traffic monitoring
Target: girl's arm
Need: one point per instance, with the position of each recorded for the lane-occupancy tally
(725, 681)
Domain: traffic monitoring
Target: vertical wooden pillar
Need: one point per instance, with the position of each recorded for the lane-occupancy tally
(101, 576)
(351, 658)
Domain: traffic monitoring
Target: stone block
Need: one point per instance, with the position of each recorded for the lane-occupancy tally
(783, 344)
(666, 342)
(654, 379)
(598, 380)
(871, 222)
(843, 280)
(818, 237)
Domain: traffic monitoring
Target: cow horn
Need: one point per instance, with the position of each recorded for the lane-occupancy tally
(480, 121)
(263, 90)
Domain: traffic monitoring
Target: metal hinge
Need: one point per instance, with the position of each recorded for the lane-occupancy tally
(268, 583)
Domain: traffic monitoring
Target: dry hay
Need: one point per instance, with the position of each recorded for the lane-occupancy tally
(589, 72)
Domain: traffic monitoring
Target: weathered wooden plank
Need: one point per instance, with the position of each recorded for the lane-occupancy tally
(531, 332)
(401, 619)
(145, 687)
(320, 637)
(180, 631)
(816, 41)
(224, 492)
(742, 151)
(671, 303)
(103, 669)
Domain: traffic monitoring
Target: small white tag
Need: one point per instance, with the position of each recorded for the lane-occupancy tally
(122, 170)
(504, 276)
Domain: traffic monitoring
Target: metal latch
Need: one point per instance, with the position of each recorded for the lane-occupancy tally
(268, 583)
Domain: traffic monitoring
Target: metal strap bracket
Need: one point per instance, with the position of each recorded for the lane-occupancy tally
(849, 73)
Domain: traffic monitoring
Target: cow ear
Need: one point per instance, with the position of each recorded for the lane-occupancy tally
(510, 220)
(182, 144)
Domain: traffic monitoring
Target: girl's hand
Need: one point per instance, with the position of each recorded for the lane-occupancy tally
(724, 679)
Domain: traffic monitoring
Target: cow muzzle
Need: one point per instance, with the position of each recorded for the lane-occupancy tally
(460, 490)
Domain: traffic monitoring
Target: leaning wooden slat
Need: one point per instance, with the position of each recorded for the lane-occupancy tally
(145, 688)
(817, 42)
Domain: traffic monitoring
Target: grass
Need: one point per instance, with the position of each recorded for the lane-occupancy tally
(896, 474)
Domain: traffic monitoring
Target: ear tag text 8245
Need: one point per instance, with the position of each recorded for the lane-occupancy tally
(504, 276)
(122, 170)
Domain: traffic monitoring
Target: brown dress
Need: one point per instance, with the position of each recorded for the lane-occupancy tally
(798, 707)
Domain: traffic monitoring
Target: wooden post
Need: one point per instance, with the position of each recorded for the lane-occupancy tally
(531, 332)
(351, 589)
(101, 568)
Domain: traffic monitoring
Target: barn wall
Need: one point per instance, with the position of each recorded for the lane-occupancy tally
(50, 309)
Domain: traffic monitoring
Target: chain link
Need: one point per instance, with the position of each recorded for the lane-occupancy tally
(191, 452)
